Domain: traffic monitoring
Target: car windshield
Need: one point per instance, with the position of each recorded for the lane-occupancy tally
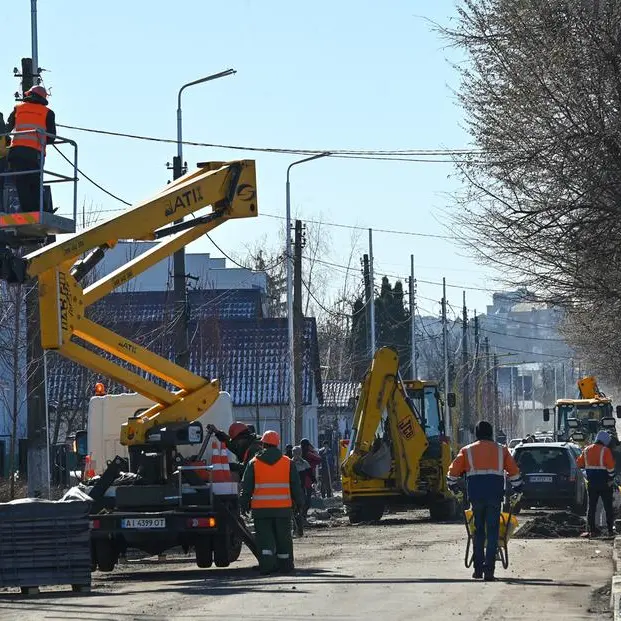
(543, 459)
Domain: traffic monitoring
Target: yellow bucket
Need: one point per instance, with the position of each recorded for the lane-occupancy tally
(507, 527)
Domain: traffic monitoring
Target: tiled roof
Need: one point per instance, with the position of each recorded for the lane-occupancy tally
(339, 394)
(249, 356)
(158, 305)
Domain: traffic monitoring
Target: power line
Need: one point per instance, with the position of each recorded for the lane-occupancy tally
(401, 154)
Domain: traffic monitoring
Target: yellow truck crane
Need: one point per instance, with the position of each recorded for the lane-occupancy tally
(580, 419)
(398, 454)
(173, 505)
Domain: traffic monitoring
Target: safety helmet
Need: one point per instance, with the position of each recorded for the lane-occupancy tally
(603, 437)
(237, 429)
(484, 431)
(271, 437)
(37, 90)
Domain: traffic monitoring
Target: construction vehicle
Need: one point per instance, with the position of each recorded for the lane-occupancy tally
(100, 442)
(399, 453)
(176, 502)
(579, 420)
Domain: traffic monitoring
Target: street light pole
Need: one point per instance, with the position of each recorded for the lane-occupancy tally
(290, 335)
(182, 349)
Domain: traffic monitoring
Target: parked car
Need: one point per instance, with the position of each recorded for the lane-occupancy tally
(551, 476)
(513, 443)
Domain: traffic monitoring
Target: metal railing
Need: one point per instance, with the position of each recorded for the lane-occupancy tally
(179, 472)
(42, 171)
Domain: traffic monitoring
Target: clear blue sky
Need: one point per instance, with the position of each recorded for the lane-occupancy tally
(317, 75)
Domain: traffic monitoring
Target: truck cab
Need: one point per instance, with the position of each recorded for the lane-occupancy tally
(101, 441)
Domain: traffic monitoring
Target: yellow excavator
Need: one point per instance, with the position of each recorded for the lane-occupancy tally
(398, 454)
(174, 505)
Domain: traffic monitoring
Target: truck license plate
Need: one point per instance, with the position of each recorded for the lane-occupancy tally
(539, 479)
(143, 523)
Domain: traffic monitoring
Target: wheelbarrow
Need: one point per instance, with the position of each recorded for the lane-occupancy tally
(508, 524)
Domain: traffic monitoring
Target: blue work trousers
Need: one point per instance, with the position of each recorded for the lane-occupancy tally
(487, 525)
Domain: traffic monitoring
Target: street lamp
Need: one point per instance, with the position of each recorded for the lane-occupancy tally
(179, 293)
(289, 254)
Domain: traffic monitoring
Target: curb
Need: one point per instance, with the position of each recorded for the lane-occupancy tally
(615, 587)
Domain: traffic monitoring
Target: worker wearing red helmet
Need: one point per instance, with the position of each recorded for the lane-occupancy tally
(241, 441)
(270, 487)
(34, 125)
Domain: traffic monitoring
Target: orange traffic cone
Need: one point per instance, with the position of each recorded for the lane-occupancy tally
(89, 467)
(221, 475)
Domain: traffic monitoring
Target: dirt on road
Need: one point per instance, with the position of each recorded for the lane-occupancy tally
(404, 568)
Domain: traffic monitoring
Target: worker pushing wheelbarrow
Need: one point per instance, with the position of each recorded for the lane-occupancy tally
(484, 464)
(506, 527)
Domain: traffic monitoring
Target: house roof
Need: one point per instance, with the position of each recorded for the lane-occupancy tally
(340, 394)
(140, 306)
(249, 356)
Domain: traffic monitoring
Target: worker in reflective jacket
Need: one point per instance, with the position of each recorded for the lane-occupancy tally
(34, 125)
(270, 486)
(599, 463)
(241, 441)
(484, 464)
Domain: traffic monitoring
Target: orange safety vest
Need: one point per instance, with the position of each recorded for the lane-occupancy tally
(271, 484)
(28, 117)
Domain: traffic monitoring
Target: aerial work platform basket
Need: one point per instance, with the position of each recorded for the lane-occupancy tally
(37, 224)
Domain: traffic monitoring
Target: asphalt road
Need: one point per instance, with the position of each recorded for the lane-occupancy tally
(403, 569)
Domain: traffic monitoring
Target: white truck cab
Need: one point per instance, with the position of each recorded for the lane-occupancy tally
(107, 413)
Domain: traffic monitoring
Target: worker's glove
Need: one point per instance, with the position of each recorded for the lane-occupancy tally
(515, 498)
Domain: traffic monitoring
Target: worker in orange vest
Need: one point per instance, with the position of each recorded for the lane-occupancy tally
(484, 464)
(241, 441)
(270, 487)
(599, 463)
(29, 119)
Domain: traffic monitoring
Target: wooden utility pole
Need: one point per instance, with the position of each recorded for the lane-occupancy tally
(413, 352)
(298, 330)
(477, 369)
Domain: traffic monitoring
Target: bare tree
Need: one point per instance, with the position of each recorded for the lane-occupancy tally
(541, 89)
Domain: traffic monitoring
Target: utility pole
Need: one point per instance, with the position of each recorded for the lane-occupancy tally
(487, 383)
(555, 388)
(372, 305)
(36, 404)
(565, 395)
(465, 374)
(298, 330)
(447, 388)
(477, 367)
(511, 402)
(413, 353)
(496, 401)
(368, 298)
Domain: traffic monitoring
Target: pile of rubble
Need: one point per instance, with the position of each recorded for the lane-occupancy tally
(326, 513)
(552, 526)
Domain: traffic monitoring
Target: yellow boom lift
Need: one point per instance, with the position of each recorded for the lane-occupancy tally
(580, 419)
(174, 506)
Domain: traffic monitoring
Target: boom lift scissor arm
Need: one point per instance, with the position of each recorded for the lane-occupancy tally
(230, 188)
(383, 391)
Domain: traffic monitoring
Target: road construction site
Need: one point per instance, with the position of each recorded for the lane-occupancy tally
(404, 567)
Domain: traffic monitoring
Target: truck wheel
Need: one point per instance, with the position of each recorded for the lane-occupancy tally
(443, 511)
(105, 554)
(235, 548)
(204, 552)
(221, 549)
(365, 512)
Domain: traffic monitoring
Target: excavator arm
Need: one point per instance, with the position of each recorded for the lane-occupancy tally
(230, 190)
(386, 427)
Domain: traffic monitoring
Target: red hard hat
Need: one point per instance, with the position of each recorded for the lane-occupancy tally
(271, 437)
(236, 428)
(37, 90)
